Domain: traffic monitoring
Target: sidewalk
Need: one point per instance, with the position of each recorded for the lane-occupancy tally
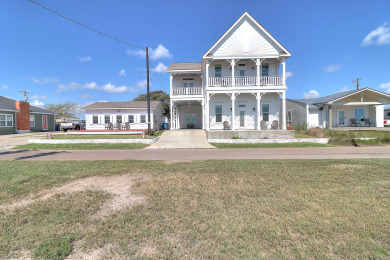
(182, 139)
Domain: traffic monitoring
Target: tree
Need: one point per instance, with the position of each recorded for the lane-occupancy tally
(63, 109)
(158, 95)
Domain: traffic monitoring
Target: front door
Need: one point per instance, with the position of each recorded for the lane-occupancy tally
(191, 120)
(242, 119)
(44, 122)
(341, 118)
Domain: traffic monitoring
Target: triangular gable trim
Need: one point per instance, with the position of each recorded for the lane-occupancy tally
(288, 54)
(363, 89)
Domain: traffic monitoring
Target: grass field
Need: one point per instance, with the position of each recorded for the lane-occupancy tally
(203, 210)
(67, 136)
(78, 146)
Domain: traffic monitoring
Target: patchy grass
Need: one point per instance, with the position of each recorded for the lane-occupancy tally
(205, 210)
(79, 146)
(265, 145)
(81, 136)
(349, 138)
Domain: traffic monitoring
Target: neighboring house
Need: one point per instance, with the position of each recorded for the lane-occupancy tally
(240, 82)
(339, 108)
(98, 115)
(64, 119)
(21, 117)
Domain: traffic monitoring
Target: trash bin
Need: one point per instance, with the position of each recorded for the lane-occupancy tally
(165, 126)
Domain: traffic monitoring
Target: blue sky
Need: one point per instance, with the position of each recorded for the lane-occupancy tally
(331, 42)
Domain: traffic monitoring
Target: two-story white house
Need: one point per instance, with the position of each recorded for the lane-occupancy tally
(241, 82)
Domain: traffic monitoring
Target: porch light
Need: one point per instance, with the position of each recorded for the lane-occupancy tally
(189, 103)
(254, 109)
(231, 110)
(253, 68)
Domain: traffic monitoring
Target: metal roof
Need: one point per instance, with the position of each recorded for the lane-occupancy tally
(316, 102)
(119, 105)
(185, 66)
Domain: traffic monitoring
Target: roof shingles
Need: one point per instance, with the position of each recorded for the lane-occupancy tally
(118, 105)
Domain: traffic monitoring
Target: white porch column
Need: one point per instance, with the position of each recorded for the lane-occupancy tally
(171, 85)
(258, 99)
(258, 63)
(177, 118)
(284, 71)
(207, 119)
(171, 114)
(202, 103)
(330, 115)
(233, 109)
(233, 62)
(379, 116)
(284, 125)
(207, 73)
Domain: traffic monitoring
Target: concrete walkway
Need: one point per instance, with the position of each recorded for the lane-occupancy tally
(185, 138)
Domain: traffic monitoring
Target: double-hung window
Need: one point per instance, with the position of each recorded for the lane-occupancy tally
(119, 119)
(95, 120)
(218, 113)
(218, 71)
(6, 120)
(265, 70)
(131, 119)
(265, 111)
(106, 119)
(32, 121)
(143, 119)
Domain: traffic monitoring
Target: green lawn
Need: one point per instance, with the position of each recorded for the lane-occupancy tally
(73, 136)
(79, 146)
(265, 145)
(249, 209)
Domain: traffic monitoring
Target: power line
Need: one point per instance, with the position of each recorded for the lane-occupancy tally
(151, 63)
(87, 27)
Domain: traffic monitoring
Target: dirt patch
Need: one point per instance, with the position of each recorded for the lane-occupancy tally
(348, 166)
(109, 251)
(118, 185)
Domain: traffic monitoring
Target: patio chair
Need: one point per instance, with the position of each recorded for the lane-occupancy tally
(226, 125)
(353, 122)
(127, 126)
(367, 122)
(118, 126)
(110, 126)
(275, 125)
(263, 125)
(106, 126)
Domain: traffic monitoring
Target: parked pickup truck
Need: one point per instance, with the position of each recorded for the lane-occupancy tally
(72, 125)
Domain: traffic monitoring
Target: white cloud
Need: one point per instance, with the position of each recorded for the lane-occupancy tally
(289, 74)
(44, 80)
(122, 73)
(4, 87)
(158, 53)
(84, 59)
(161, 68)
(92, 85)
(37, 103)
(385, 86)
(37, 97)
(141, 85)
(379, 36)
(332, 68)
(86, 96)
(311, 94)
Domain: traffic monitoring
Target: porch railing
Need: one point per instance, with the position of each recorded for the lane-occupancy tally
(188, 91)
(245, 81)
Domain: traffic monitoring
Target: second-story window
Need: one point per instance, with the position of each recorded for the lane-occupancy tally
(265, 70)
(218, 71)
(242, 73)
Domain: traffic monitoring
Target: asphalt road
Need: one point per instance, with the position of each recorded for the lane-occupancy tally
(200, 154)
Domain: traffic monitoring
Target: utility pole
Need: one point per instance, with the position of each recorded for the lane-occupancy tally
(147, 87)
(357, 83)
(24, 94)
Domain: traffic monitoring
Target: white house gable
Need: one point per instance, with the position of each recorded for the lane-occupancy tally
(246, 38)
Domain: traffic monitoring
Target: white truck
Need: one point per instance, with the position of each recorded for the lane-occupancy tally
(72, 125)
(387, 117)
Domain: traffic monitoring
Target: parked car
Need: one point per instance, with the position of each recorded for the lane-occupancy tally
(72, 125)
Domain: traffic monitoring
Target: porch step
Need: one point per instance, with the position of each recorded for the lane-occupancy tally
(182, 139)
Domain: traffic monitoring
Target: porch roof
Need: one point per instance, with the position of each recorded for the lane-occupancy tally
(185, 67)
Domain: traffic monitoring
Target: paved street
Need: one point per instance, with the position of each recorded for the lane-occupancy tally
(201, 154)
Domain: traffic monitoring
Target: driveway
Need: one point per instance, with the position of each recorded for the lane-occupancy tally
(11, 140)
(201, 154)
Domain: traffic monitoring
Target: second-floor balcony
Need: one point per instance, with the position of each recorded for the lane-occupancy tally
(178, 91)
(245, 81)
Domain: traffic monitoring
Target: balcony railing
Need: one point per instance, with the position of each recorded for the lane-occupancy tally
(245, 81)
(187, 91)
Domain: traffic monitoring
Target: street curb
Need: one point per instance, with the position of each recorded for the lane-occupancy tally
(94, 141)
